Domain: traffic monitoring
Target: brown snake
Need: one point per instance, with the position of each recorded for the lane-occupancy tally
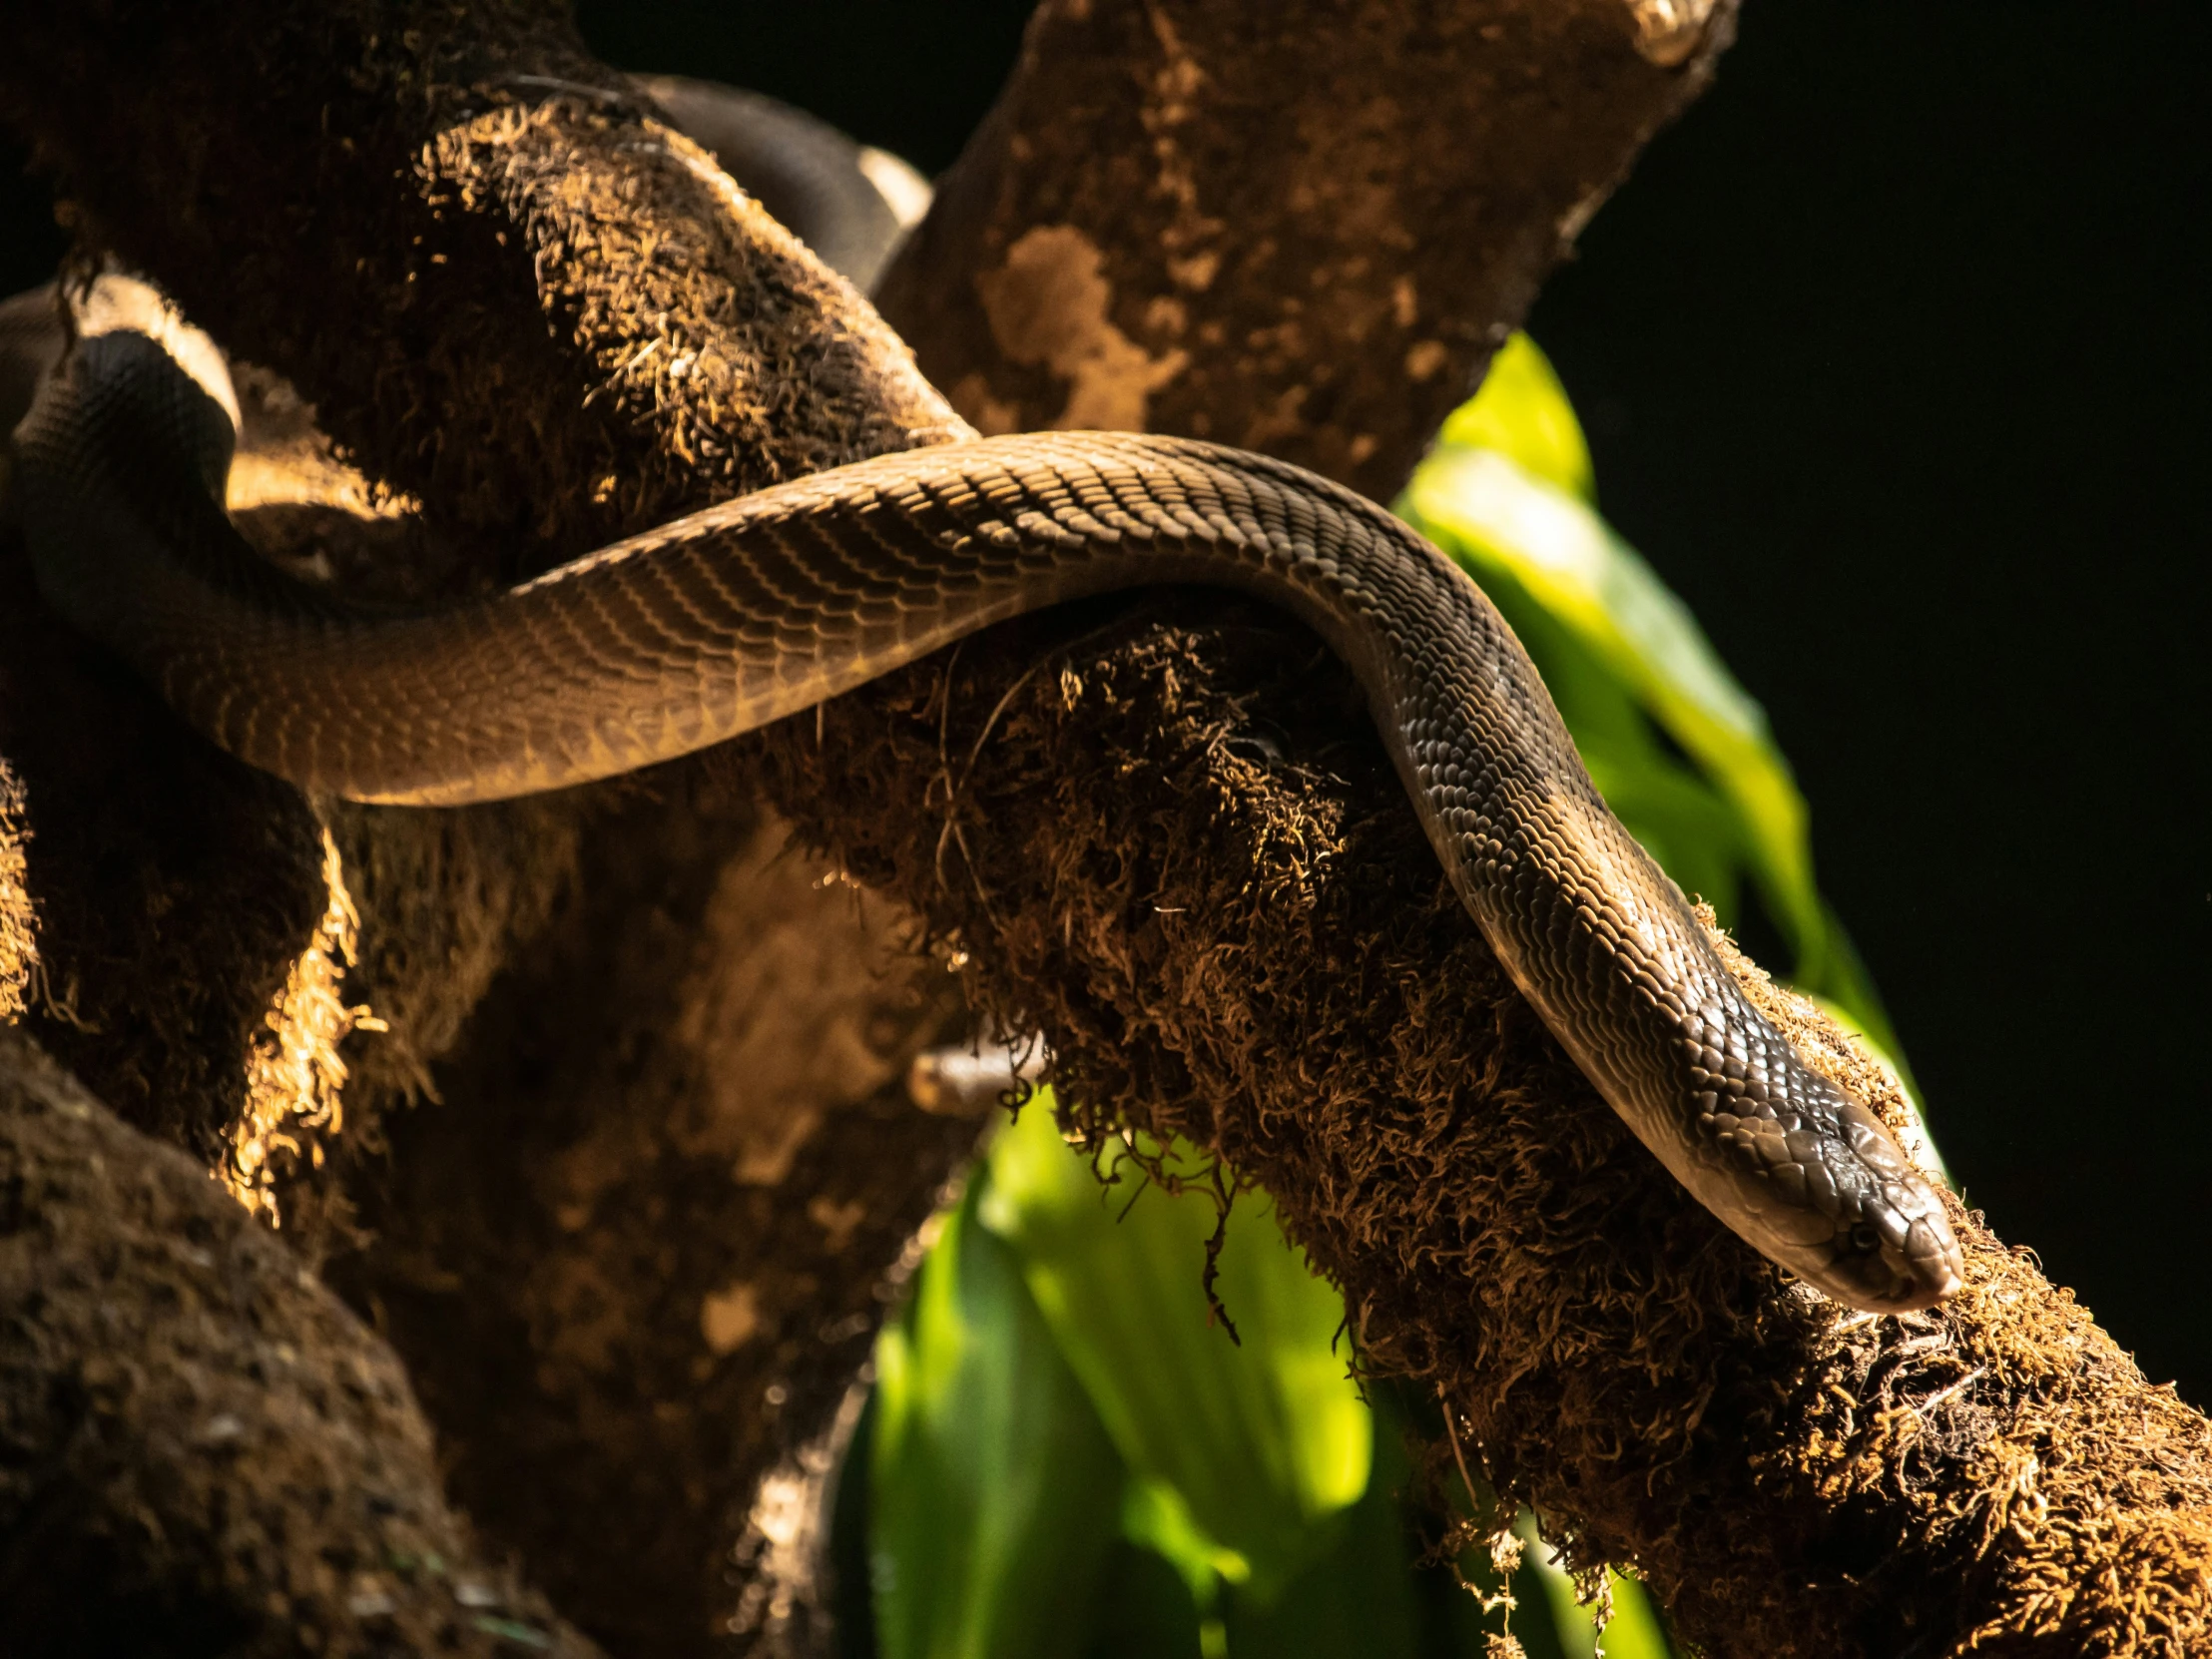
(765, 605)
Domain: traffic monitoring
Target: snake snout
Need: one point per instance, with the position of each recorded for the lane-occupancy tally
(1897, 1251)
(1891, 1260)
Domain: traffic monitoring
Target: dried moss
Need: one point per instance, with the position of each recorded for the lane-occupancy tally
(1179, 852)
(294, 1077)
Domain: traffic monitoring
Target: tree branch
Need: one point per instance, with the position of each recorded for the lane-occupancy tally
(204, 1442)
(512, 298)
(1294, 226)
(1184, 856)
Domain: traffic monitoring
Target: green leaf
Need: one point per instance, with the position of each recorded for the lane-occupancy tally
(1635, 1630)
(1244, 1452)
(1523, 413)
(995, 1490)
(1154, 1516)
(1355, 1598)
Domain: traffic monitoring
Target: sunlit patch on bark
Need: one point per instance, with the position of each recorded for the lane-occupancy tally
(1052, 304)
(294, 1076)
(1669, 32)
(18, 927)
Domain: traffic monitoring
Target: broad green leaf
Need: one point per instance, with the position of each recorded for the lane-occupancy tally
(1355, 1598)
(1154, 1516)
(1248, 1450)
(995, 1490)
(1522, 412)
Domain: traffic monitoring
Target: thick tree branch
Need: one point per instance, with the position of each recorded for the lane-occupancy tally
(206, 1452)
(1184, 856)
(1294, 226)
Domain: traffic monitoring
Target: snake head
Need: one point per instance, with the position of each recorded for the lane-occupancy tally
(1891, 1247)
(1845, 1208)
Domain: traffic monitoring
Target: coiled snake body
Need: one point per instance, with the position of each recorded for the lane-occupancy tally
(765, 605)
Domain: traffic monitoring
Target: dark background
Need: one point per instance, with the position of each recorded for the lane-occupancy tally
(1894, 356)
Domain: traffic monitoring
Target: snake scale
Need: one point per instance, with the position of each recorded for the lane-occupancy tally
(764, 605)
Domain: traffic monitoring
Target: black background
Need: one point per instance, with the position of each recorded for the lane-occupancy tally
(1893, 354)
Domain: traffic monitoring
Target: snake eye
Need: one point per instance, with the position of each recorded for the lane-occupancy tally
(1865, 1241)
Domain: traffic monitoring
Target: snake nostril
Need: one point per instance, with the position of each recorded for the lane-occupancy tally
(1865, 1241)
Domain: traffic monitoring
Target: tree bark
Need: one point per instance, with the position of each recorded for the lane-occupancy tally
(206, 1452)
(1178, 849)
(1294, 226)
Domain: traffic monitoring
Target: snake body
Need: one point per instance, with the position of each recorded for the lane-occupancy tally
(765, 605)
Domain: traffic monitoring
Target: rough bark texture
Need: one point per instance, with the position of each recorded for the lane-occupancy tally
(635, 1280)
(1294, 226)
(202, 1450)
(632, 1291)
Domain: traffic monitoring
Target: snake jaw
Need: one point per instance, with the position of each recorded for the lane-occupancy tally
(1889, 1261)
(1896, 1257)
